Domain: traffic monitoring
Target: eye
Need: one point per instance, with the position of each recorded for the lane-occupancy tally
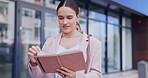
(69, 17)
(61, 18)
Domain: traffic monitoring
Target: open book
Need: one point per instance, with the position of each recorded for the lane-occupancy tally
(48, 63)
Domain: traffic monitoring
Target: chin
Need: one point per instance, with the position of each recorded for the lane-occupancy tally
(66, 31)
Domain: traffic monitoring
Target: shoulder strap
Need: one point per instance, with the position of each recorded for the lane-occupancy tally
(88, 53)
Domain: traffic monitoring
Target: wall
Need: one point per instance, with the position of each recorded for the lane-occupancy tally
(140, 39)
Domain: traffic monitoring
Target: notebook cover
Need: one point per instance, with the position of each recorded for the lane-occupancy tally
(49, 64)
(74, 61)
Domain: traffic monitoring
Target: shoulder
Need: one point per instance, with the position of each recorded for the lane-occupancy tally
(50, 40)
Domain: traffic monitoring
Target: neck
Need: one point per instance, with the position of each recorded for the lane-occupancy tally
(71, 34)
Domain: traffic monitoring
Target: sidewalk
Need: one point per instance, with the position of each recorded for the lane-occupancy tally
(126, 74)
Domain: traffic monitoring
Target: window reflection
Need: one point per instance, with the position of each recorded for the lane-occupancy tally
(97, 29)
(113, 18)
(97, 13)
(27, 13)
(6, 38)
(113, 48)
(83, 12)
(37, 2)
(126, 49)
(82, 22)
(30, 34)
(97, 16)
(51, 25)
(52, 3)
(126, 22)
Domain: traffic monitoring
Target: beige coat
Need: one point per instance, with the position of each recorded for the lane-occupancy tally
(94, 67)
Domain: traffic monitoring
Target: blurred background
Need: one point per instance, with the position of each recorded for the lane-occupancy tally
(121, 26)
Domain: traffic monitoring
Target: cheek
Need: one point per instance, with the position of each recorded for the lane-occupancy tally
(60, 22)
(73, 22)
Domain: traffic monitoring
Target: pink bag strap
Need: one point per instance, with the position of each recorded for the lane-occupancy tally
(88, 53)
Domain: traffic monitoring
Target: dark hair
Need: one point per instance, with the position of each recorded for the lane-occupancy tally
(69, 3)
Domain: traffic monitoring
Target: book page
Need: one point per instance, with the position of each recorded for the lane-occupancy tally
(69, 51)
(41, 53)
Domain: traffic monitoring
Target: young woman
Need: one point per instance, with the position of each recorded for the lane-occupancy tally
(70, 38)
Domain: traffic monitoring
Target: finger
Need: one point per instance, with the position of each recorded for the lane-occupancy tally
(31, 57)
(71, 73)
(30, 54)
(32, 51)
(63, 72)
(34, 48)
(38, 48)
(66, 69)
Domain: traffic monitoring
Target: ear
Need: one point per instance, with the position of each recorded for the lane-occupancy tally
(78, 16)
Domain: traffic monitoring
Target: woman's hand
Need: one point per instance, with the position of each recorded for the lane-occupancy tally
(32, 52)
(66, 73)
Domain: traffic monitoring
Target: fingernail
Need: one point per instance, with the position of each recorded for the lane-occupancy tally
(62, 67)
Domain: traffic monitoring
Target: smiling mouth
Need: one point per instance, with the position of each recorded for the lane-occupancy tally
(65, 27)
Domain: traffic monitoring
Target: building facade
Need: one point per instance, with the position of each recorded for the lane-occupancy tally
(24, 23)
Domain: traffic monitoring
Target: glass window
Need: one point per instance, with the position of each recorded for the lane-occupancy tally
(37, 2)
(30, 35)
(83, 12)
(113, 18)
(126, 49)
(6, 38)
(113, 48)
(82, 8)
(82, 22)
(97, 13)
(97, 29)
(51, 25)
(126, 22)
(52, 3)
(27, 13)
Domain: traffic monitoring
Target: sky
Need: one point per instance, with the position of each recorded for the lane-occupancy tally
(140, 6)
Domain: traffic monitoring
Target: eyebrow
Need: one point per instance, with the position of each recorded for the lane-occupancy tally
(67, 16)
(60, 16)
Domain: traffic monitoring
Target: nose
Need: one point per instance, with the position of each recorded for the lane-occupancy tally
(65, 21)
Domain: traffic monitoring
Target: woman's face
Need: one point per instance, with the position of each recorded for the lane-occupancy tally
(67, 19)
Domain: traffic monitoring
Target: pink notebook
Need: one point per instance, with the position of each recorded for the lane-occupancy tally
(71, 60)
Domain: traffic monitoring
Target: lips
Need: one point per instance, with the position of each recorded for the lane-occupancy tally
(65, 27)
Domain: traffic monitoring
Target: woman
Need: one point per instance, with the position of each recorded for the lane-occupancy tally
(70, 38)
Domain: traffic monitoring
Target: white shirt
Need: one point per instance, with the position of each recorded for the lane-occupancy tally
(62, 49)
